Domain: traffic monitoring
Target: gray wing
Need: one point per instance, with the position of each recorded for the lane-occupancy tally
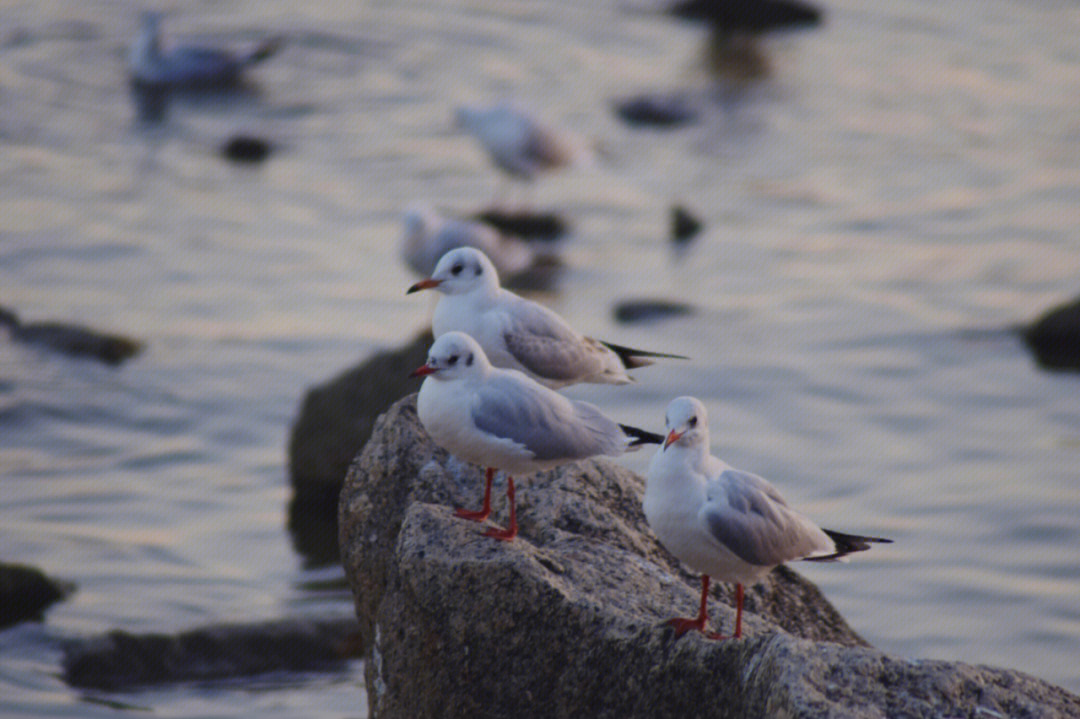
(749, 517)
(547, 424)
(546, 346)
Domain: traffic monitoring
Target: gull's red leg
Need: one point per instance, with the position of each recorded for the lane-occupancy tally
(738, 610)
(682, 625)
(512, 528)
(481, 514)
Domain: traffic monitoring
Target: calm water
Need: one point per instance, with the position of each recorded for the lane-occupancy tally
(903, 188)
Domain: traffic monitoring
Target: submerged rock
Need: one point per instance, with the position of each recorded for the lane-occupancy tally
(120, 659)
(25, 593)
(656, 110)
(684, 225)
(1055, 337)
(334, 422)
(568, 620)
(70, 340)
(748, 16)
(524, 224)
(645, 310)
(246, 149)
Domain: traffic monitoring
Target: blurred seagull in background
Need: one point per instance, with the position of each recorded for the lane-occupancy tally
(519, 143)
(501, 419)
(725, 523)
(429, 235)
(517, 333)
(153, 64)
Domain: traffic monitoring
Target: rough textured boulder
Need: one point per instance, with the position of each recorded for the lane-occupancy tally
(25, 593)
(567, 620)
(120, 659)
(334, 422)
(1055, 337)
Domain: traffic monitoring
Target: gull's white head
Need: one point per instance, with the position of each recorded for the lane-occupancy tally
(454, 355)
(419, 219)
(687, 423)
(460, 271)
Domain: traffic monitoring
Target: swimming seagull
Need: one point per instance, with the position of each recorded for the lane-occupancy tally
(725, 523)
(501, 419)
(520, 143)
(154, 65)
(429, 235)
(520, 334)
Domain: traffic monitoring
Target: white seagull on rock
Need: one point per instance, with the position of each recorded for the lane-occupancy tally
(429, 235)
(501, 419)
(153, 64)
(725, 523)
(520, 334)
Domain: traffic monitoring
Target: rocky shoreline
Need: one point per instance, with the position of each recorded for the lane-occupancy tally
(568, 620)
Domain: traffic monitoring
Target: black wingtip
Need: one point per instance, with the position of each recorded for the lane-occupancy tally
(848, 544)
(641, 436)
(632, 358)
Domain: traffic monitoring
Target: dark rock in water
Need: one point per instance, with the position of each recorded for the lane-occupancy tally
(748, 16)
(120, 659)
(334, 422)
(527, 225)
(656, 110)
(644, 310)
(245, 148)
(70, 339)
(684, 226)
(25, 593)
(1055, 337)
(568, 619)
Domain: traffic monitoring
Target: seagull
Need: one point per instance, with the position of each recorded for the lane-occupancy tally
(517, 333)
(723, 522)
(429, 235)
(519, 143)
(499, 418)
(151, 65)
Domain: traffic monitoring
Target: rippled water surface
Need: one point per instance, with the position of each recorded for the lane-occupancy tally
(900, 190)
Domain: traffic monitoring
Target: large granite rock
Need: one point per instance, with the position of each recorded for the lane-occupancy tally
(1055, 337)
(334, 423)
(568, 620)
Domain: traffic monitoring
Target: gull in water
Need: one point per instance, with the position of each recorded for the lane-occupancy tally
(517, 333)
(725, 523)
(519, 143)
(501, 419)
(429, 235)
(152, 63)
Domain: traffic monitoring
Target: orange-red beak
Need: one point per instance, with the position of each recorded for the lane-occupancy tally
(424, 285)
(423, 370)
(673, 436)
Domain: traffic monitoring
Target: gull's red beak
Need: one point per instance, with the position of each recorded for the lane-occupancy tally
(422, 370)
(673, 436)
(424, 285)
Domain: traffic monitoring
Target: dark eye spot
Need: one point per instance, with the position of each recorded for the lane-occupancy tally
(456, 270)
(468, 360)
(479, 270)
(452, 360)
(693, 421)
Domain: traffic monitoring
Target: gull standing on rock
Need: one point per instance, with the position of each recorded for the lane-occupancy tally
(725, 523)
(430, 235)
(520, 334)
(501, 419)
(153, 65)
